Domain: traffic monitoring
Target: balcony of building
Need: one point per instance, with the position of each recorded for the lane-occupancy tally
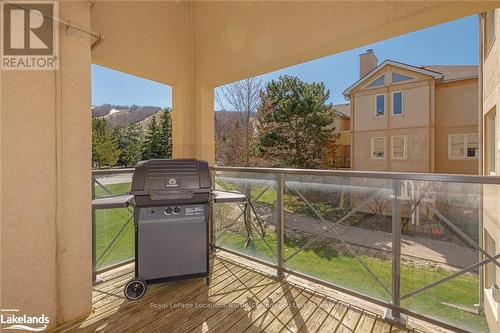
(410, 243)
(373, 243)
(240, 298)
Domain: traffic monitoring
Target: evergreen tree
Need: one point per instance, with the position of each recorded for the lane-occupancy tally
(132, 152)
(166, 132)
(105, 150)
(153, 146)
(295, 122)
(98, 128)
(119, 133)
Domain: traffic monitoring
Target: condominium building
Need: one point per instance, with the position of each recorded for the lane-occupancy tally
(414, 118)
(490, 100)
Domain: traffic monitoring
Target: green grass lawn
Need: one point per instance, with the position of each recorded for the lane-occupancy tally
(115, 189)
(109, 222)
(292, 203)
(346, 271)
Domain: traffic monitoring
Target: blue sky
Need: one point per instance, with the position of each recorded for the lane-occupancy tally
(453, 43)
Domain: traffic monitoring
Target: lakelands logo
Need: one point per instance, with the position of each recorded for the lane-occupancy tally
(30, 35)
(16, 321)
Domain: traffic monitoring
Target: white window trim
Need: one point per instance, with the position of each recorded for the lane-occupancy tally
(402, 103)
(404, 147)
(492, 302)
(372, 150)
(463, 158)
(385, 105)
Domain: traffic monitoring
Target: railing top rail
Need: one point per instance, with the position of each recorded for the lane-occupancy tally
(441, 177)
(103, 172)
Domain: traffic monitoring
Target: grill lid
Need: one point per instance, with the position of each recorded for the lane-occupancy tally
(171, 178)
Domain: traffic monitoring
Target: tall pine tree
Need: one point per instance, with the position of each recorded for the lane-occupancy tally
(294, 123)
(132, 152)
(166, 132)
(105, 150)
(153, 146)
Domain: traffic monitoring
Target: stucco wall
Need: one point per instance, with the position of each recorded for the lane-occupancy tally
(341, 123)
(416, 107)
(414, 123)
(46, 243)
(364, 110)
(491, 100)
(491, 223)
(235, 39)
(430, 112)
(417, 143)
(456, 113)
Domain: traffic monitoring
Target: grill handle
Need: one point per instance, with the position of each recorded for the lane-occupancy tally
(174, 196)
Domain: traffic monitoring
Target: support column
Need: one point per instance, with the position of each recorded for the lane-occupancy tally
(45, 152)
(193, 122)
(73, 167)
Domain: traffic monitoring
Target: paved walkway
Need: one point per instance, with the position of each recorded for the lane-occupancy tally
(115, 179)
(422, 248)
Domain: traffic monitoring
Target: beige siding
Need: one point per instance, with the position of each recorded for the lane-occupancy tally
(456, 113)
(491, 208)
(414, 123)
(415, 108)
(430, 113)
(417, 156)
(365, 114)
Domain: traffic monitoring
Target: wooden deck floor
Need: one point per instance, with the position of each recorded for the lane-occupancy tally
(239, 299)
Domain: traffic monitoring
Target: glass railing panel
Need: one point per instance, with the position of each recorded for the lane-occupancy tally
(112, 184)
(441, 237)
(254, 235)
(114, 237)
(339, 229)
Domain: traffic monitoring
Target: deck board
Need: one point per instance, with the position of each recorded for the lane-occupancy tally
(318, 317)
(367, 323)
(239, 299)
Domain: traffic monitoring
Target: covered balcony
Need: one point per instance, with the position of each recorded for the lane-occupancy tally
(310, 250)
(393, 251)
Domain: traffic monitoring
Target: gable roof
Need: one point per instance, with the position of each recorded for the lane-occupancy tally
(454, 72)
(343, 110)
(420, 70)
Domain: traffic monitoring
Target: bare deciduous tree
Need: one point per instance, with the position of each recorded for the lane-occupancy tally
(243, 97)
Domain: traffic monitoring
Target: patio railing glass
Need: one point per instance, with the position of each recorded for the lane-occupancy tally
(412, 243)
(113, 229)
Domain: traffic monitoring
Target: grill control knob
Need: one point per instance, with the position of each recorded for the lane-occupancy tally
(177, 210)
(168, 211)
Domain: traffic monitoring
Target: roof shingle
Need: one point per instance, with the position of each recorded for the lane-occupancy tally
(453, 72)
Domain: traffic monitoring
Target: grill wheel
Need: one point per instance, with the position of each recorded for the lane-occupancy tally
(135, 289)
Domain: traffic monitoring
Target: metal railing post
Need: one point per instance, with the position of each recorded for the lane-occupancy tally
(94, 274)
(280, 231)
(480, 306)
(393, 314)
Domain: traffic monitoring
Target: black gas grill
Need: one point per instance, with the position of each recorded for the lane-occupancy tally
(171, 200)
